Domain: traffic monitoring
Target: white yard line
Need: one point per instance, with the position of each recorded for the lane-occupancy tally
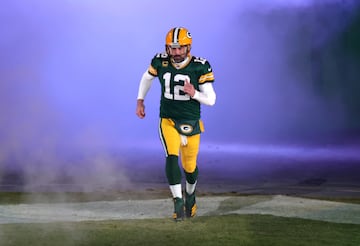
(286, 206)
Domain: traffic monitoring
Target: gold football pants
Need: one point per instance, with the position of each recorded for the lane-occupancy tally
(171, 141)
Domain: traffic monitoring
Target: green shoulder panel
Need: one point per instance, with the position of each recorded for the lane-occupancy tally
(159, 60)
(204, 69)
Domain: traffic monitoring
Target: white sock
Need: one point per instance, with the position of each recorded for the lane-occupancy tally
(190, 188)
(176, 190)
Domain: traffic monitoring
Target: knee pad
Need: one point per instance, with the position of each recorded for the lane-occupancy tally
(192, 177)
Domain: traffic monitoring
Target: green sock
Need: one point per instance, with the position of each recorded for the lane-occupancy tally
(173, 172)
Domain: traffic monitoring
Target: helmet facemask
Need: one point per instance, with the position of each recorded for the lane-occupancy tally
(178, 53)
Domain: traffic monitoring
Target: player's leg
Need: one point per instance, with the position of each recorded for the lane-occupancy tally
(170, 139)
(189, 155)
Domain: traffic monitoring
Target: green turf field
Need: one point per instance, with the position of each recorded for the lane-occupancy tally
(213, 229)
(253, 230)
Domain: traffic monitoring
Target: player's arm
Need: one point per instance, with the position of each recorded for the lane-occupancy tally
(206, 94)
(144, 87)
(145, 84)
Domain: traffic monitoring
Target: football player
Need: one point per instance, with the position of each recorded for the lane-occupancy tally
(186, 83)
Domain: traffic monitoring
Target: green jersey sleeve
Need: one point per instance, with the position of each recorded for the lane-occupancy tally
(157, 61)
(205, 70)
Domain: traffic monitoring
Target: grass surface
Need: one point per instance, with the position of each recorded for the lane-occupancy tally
(247, 230)
(251, 230)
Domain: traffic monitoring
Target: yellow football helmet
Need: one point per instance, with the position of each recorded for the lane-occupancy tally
(178, 36)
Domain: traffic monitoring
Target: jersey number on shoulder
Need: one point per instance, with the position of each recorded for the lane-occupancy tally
(200, 59)
(178, 78)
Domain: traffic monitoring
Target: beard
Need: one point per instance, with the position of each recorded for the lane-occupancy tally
(178, 58)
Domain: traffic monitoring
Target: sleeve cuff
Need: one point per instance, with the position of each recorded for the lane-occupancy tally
(196, 95)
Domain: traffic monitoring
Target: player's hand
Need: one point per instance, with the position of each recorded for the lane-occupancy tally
(140, 108)
(189, 88)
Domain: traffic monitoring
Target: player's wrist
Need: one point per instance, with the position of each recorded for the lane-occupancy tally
(196, 95)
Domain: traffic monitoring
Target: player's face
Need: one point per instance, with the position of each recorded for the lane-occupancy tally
(178, 54)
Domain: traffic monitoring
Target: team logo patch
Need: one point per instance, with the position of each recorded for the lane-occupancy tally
(165, 63)
(186, 128)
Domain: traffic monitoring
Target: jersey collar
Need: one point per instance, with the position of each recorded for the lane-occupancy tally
(182, 64)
